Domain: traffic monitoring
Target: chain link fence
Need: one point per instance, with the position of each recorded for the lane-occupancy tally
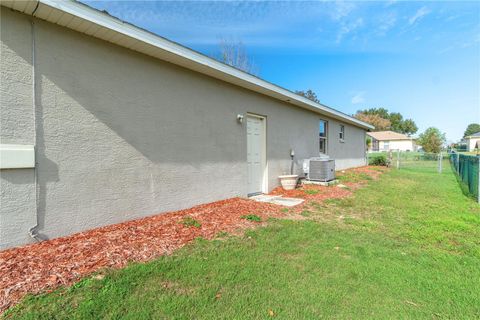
(419, 161)
(467, 168)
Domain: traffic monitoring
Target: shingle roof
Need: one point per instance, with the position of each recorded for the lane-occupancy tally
(388, 135)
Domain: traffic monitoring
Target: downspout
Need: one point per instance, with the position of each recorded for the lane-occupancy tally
(33, 232)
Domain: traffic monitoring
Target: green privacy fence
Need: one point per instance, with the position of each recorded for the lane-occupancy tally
(467, 168)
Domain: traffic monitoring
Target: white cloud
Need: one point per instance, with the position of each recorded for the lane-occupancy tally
(467, 44)
(450, 18)
(390, 3)
(358, 97)
(461, 45)
(341, 9)
(348, 28)
(386, 22)
(446, 49)
(422, 12)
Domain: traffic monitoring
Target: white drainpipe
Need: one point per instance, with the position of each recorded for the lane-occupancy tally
(33, 232)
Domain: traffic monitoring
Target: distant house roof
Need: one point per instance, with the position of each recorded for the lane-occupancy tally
(388, 135)
(475, 135)
(82, 18)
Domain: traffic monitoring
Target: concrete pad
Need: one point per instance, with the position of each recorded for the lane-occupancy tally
(288, 202)
(278, 200)
(320, 183)
(264, 198)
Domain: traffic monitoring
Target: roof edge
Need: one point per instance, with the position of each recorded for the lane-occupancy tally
(402, 136)
(180, 55)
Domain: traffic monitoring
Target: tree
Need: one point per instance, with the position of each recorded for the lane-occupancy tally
(397, 123)
(309, 94)
(409, 127)
(471, 129)
(375, 120)
(382, 112)
(234, 54)
(396, 120)
(368, 142)
(431, 140)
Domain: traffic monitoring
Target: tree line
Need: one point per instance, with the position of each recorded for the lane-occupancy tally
(472, 128)
(384, 120)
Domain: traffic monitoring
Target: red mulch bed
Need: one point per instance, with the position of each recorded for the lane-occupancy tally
(319, 193)
(62, 261)
(47, 265)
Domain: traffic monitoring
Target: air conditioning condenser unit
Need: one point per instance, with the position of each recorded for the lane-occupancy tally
(319, 169)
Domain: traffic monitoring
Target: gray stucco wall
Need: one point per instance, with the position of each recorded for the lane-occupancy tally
(17, 189)
(121, 135)
(350, 152)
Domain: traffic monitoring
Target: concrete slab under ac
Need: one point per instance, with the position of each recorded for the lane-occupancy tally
(321, 183)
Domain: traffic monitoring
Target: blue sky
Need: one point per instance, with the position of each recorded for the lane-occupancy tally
(418, 58)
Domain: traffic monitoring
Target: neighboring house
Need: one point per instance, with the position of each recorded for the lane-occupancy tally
(103, 122)
(473, 142)
(389, 140)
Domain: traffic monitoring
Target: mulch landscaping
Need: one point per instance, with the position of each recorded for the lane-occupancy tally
(317, 193)
(44, 266)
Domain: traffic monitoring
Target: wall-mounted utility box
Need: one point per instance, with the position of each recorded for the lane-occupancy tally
(17, 156)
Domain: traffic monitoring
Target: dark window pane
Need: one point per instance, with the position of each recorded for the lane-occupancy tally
(322, 145)
(323, 128)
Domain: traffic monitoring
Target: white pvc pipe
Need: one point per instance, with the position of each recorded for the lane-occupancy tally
(33, 232)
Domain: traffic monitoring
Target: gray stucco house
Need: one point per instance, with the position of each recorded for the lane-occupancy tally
(103, 122)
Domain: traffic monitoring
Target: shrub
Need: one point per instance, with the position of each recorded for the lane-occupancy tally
(252, 217)
(190, 222)
(380, 160)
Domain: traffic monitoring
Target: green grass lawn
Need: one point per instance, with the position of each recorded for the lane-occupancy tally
(407, 246)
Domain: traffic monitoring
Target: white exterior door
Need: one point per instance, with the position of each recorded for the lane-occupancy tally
(256, 159)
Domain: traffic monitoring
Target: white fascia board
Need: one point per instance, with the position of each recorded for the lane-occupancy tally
(183, 56)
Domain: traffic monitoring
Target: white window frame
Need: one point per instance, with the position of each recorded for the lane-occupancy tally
(386, 145)
(341, 134)
(325, 138)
